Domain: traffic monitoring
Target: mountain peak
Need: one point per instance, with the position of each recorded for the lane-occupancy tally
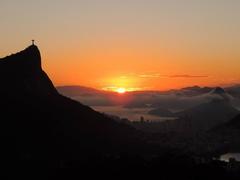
(26, 61)
(23, 71)
(218, 90)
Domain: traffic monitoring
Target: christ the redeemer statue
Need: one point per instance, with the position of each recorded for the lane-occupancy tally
(33, 42)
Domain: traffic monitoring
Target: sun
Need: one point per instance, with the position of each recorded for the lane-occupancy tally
(121, 90)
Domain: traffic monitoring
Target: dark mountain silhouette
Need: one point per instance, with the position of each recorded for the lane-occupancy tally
(192, 91)
(72, 91)
(234, 123)
(218, 90)
(93, 97)
(40, 127)
(208, 115)
(221, 93)
(161, 112)
(227, 135)
(234, 90)
(174, 100)
(22, 73)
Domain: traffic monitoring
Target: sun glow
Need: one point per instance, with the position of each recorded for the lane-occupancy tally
(121, 84)
(121, 90)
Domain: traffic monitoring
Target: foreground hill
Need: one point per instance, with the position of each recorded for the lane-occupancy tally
(228, 134)
(40, 127)
(234, 90)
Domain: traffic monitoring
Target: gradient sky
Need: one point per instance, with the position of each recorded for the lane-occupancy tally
(136, 44)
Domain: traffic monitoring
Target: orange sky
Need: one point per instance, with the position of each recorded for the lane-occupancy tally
(138, 45)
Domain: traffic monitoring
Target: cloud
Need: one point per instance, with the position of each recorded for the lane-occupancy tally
(150, 75)
(187, 76)
(156, 75)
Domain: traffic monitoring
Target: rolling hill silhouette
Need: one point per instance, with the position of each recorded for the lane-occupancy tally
(73, 91)
(40, 127)
(228, 134)
(208, 115)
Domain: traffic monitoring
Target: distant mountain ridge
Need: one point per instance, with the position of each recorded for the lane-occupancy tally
(173, 100)
(72, 91)
(218, 90)
(187, 91)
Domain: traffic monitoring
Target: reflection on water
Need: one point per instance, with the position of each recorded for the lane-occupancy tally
(226, 157)
(132, 114)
